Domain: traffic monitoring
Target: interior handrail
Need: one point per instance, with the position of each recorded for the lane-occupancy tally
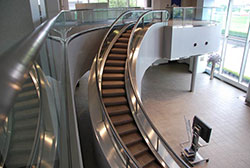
(135, 91)
(130, 160)
(16, 62)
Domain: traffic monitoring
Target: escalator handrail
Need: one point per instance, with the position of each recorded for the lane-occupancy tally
(104, 111)
(135, 92)
(38, 87)
(111, 28)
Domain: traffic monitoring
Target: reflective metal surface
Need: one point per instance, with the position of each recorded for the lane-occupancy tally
(163, 152)
(56, 143)
(15, 64)
(44, 151)
(117, 28)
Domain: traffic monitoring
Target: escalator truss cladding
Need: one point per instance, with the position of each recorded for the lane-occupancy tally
(116, 103)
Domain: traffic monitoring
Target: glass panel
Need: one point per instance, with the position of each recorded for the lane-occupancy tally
(237, 39)
(217, 66)
(118, 3)
(240, 20)
(177, 13)
(73, 2)
(246, 76)
(220, 13)
(233, 58)
(189, 16)
(132, 3)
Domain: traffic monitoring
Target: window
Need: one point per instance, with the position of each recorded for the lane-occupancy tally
(112, 3)
(235, 38)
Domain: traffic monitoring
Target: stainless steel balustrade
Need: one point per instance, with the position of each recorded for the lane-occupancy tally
(53, 145)
(16, 65)
(161, 149)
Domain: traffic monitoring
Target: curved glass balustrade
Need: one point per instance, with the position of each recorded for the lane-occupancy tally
(73, 21)
(192, 16)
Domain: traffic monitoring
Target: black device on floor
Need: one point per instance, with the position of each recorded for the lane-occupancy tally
(200, 129)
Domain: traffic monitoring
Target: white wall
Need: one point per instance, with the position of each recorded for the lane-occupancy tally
(52, 8)
(16, 22)
(151, 50)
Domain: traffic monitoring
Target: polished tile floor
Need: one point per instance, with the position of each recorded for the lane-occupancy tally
(166, 97)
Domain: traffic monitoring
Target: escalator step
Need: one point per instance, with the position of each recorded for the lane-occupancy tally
(25, 105)
(138, 148)
(121, 119)
(153, 165)
(28, 80)
(127, 34)
(126, 128)
(113, 92)
(115, 63)
(119, 51)
(24, 135)
(23, 96)
(123, 39)
(28, 87)
(17, 161)
(21, 149)
(112, 101)
(131, 139)
(22, 146)
(26, 114)
(121, 45)
(113, 76)
(145, 159)
(111, 69)
(112, 84)
(117, 110)
(25, 124)
(117, 56)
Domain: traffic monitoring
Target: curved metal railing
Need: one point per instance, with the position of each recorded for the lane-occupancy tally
(14, 67)
(156, 142)
(126, 18)
(36, 80)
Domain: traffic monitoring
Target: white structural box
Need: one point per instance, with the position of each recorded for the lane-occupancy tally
(191, 40)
